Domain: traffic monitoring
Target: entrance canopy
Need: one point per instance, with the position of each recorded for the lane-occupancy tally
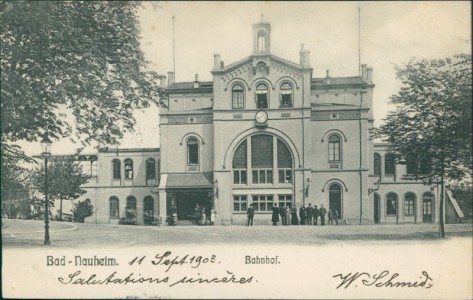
(196, 180)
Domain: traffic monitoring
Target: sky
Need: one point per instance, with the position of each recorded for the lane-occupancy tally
(391, 34)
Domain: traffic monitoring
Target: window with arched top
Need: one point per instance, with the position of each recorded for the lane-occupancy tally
(334, 148)
(116, 169)
(409, 204)
(148, 210)
(377, 164)
(261, 41)
(238, 96)
(128, 169)
(131, 207)
(285, 95)
(335, 199)
(150, 168)
(389, 164)
(391, 204)
(192, 151)
(240, 164)
(262, 96)
(114, 207)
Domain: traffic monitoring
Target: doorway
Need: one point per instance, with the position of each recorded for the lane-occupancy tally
(335, 199)
(427, 209)
(188, 204)
(376, 208)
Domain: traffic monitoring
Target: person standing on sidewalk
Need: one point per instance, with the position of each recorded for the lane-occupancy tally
(310, 215)
(335, 216)
(282, 212)
(302, 214)
(250, 212)
(294, 219)
(288, 215)
(330, 217)
(322, 212)
(316, 214)
(275, 216)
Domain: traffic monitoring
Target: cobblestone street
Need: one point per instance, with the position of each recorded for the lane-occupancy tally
(27, 234)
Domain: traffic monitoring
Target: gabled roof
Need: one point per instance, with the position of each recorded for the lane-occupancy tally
(250, 59)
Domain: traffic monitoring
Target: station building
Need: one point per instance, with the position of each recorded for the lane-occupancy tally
(263, 131)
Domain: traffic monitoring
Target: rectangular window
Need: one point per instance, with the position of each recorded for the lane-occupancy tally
(263, 203)
(409, 207)
(239, 177)
(334, 152)
(261, 176)
(93, 168)
(285, 176)
(239, 203)
(285, 200)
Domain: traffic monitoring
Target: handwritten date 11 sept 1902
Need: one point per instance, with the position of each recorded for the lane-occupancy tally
(169, 260)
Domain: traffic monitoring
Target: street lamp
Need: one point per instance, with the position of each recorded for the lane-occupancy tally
(46, 145)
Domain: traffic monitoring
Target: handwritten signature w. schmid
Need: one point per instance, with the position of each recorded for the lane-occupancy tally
(383, 279)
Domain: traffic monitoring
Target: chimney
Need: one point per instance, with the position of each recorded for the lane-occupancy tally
(222, 64)
(304, 57)
(170, 78)
(196, 81)
(363, 71)
(327, 78)
(217, 61)
(162, 80)
(369, 75)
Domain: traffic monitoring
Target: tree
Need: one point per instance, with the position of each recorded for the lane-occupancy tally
(79, 57)
(431, 126)
(65, 180)
(82, 210)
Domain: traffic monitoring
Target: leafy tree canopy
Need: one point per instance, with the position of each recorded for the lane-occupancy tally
(76, 56)
(65, 179)
(82, 210)
(431, 126)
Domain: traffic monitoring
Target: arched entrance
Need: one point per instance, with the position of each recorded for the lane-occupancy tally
(377, 208)
(335, 199)
(148, 210)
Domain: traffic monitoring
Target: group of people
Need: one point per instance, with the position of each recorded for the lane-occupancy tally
(289, 215)
(206, 217)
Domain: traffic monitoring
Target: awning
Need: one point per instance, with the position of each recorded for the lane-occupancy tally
(195, 180)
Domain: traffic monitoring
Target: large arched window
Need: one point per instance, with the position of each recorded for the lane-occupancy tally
(284, 163)
(150, 168)
(148, 210)
(285, 96)
(238, 96)
(270, 161)
(262, 96)
(128, 169)
(116, 168)
(240, 164)
(389, 164)
(192, 151)
(409, 204)
(262, 158)
(335, 199)
(377, 164)
(391, 204)
(131, 207)
(334, 148)
(114, 207)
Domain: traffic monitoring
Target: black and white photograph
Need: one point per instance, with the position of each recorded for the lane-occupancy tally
(223, 150)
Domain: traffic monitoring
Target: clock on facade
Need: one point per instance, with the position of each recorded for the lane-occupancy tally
(261, 117)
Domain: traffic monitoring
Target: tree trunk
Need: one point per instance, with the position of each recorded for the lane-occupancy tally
(442, 201)
(60, 210)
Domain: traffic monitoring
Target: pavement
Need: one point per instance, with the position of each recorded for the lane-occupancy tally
(30, 234)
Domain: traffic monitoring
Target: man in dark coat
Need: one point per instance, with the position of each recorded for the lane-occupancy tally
(250, 212)
(294, 219)
(310, 215)
(302, 215)
(275, 217)
(323, 212)
(282, 212)
(316, 214)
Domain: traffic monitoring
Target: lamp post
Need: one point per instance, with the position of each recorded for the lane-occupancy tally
(46, 145)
